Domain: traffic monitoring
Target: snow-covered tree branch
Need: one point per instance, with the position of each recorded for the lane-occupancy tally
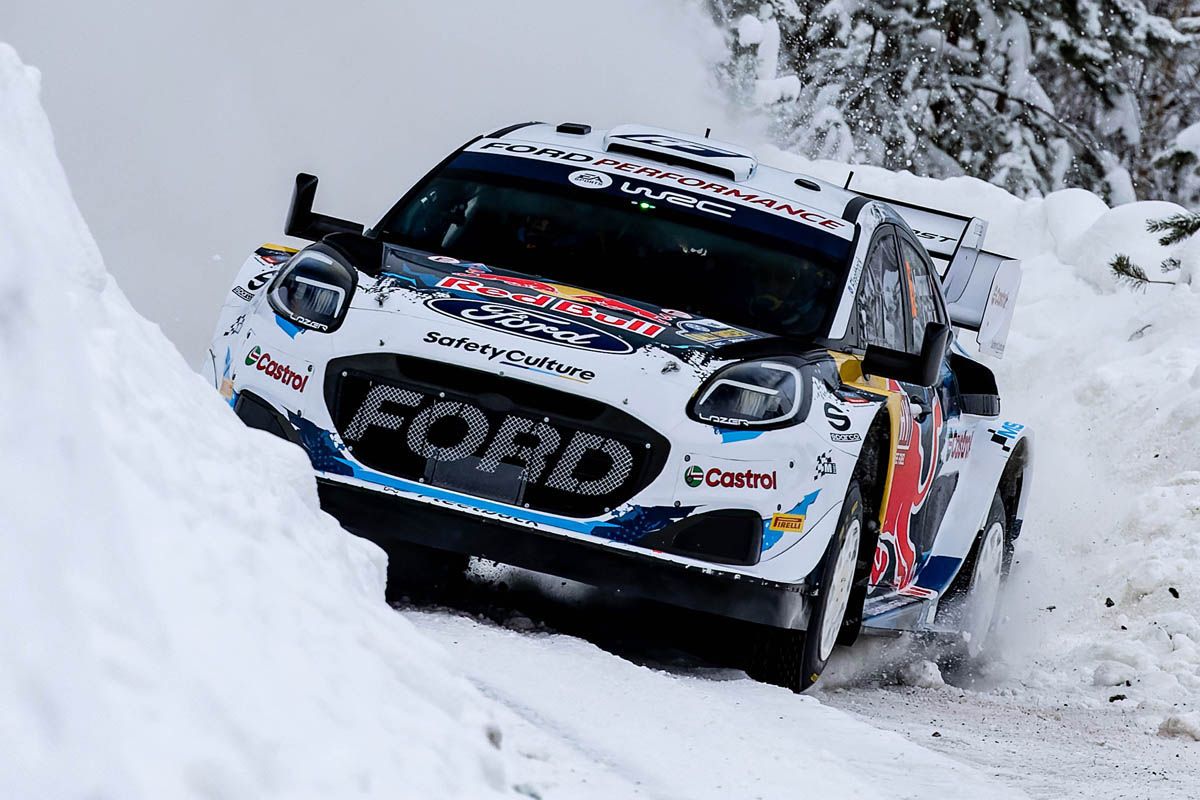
(1032, 96)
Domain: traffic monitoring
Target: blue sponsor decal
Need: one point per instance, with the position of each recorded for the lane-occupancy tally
(1009, 430)
(530, 324)
(1005, 434)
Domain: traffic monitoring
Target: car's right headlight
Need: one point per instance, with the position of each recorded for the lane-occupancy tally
(314, 288)
(765, 393)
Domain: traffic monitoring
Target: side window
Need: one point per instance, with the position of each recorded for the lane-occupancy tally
(923, 305)
(881, 298)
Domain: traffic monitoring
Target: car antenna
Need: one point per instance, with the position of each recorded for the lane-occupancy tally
(707, 131)
(849, 178)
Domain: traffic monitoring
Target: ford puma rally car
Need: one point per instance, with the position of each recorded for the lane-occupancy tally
(642, 360)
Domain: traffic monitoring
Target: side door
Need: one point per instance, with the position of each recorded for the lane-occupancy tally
(918, 491)
(895, 302)
(883, 318)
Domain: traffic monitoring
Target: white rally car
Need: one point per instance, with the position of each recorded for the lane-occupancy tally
(645, 361)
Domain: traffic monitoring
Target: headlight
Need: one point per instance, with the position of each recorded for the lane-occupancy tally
(769, 393)
(314, 288)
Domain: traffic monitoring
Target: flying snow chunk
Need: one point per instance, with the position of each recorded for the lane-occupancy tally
(1182, 726)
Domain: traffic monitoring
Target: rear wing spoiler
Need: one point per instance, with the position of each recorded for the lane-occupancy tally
(980, 286)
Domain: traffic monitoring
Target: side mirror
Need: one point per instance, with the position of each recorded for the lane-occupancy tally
(921, 370)
(303, 223)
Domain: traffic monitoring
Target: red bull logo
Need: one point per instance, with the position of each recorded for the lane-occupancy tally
(574, 307)
(570, 293)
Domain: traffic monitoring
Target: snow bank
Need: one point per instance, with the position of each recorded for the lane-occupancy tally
(179, 619)
(1105, 599)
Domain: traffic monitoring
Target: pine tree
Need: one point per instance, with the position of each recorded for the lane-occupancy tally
(1133, 276)
(1174, 229)
(1031, 95)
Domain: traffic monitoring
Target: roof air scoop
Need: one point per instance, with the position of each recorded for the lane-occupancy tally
(671, 147)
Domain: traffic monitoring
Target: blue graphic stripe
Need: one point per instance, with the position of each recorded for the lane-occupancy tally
(938, 572)
(288, 327)
(728, 436)
(425, 490)
(770, 537)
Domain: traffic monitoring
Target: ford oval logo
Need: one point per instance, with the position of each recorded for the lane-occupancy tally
(530, 324)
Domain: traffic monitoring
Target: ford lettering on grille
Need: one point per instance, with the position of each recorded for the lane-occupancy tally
(487, 446)
(530, 324)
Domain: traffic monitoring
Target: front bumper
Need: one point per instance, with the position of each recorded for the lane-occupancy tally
(388, 520)
(685, 515)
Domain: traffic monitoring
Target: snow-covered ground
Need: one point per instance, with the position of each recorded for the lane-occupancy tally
(623, 685)
(650, 732)
(188, 624)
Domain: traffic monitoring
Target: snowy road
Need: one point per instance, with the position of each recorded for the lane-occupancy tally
(1065, 753)
(604, 699)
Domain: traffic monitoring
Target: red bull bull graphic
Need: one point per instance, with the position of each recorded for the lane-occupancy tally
(914, 468)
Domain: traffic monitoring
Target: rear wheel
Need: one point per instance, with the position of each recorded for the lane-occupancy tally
(973, 599)
(795, 659)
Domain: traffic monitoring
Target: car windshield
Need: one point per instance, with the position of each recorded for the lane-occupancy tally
(677, 250)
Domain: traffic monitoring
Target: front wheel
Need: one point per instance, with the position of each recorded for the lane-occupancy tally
(796, 659)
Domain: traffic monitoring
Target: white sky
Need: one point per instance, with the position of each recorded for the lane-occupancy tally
(181, 124)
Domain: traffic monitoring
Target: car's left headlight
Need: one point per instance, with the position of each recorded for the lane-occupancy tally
(314, 288)
(766, 393)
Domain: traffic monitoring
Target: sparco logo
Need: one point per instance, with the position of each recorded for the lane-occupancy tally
(590, 180)
(707, 206)
(530, 324)
(746, 479)
(275, 369)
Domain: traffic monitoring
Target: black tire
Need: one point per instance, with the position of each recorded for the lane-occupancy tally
(796, 659)
(422, 574)
(962, 599)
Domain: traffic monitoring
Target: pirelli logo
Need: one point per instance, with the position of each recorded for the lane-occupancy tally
(791, 523)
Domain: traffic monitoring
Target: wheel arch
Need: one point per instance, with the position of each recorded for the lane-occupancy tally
(1013, 489)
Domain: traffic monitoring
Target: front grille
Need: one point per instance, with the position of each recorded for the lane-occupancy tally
(490, 436)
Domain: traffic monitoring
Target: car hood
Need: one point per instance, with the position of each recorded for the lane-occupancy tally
(436, 287)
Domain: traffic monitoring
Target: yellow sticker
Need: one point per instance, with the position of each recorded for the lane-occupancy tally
(793, 523)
